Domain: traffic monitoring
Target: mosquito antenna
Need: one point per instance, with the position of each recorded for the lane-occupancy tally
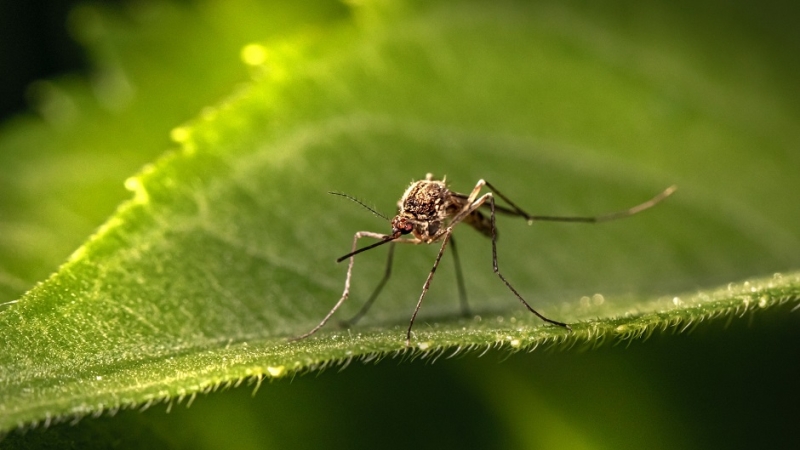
(349, 197)
(369, 247)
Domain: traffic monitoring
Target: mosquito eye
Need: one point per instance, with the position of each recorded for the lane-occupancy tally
(402, 226)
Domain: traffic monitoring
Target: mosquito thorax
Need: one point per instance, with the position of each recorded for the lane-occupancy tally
(425, 200)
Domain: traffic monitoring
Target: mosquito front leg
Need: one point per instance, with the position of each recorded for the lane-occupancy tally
(387, 273)
(346, 292)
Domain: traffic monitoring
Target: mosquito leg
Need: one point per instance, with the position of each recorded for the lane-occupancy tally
(490, 199)
(475, 204)
(427, 285)
(346, 292)
(516, 210)
(353, 320)
(474, 194)
(462, 291)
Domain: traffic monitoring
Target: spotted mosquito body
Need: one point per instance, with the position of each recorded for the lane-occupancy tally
(427, 213)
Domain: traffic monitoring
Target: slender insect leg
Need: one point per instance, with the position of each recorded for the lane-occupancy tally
(427, 284)
(490, 199)
(475, 204)
(346, 292)
(462, 291)
(474, 194)
(513, 205)
(516, 210)
(377, 290)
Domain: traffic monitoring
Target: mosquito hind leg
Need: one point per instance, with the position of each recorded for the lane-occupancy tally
(490, 199)
(517, 211)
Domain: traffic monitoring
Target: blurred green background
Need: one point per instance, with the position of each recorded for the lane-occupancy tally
(155, 65)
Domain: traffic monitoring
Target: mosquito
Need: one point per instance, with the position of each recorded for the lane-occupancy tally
(428, 211)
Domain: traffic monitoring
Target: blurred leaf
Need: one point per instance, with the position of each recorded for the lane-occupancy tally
(156, 65)
(226, 248)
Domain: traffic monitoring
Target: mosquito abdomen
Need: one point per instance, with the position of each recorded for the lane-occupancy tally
(480, 222)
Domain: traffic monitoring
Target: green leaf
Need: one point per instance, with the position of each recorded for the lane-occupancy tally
(227, 247)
